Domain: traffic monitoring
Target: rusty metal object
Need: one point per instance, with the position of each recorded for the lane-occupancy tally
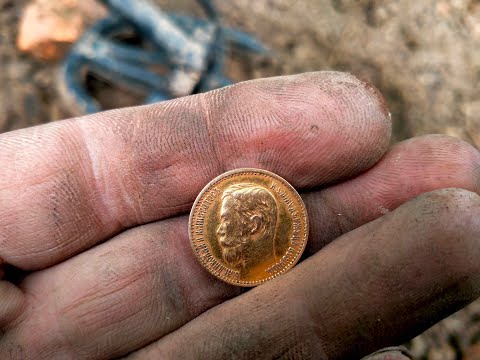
(188, 51)
(248, 226)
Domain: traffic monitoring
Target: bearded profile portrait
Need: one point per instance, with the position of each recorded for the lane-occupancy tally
(248, 220)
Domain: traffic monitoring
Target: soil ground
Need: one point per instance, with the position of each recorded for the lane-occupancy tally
(423, 55)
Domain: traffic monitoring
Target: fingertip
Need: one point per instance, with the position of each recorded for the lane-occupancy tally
(401, 273)
(312, 128)
(448, 221)
(432, 162)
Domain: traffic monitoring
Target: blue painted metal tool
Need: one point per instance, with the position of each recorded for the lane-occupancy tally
(190, 50)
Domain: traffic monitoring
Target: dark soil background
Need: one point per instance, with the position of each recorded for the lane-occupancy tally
(423, 55)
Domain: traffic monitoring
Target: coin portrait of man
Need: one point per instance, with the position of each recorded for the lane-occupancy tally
(248, 219)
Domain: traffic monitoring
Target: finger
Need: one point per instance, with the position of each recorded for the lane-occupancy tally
(12, 303)
(408, 169)
(69, 185)
(12, 300)
(377, 285)
(145, 283)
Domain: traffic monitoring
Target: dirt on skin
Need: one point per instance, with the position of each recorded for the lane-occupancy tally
(424, 56)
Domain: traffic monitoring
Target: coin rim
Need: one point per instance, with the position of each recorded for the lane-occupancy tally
(252, 170)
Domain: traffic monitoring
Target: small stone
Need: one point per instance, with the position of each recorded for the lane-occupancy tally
(48, 28)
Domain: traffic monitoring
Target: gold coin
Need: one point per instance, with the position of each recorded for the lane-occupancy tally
(248, 226)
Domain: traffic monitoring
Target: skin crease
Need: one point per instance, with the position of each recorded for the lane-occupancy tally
(93, 208)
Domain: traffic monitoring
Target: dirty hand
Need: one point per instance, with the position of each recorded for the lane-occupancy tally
(94, 212)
